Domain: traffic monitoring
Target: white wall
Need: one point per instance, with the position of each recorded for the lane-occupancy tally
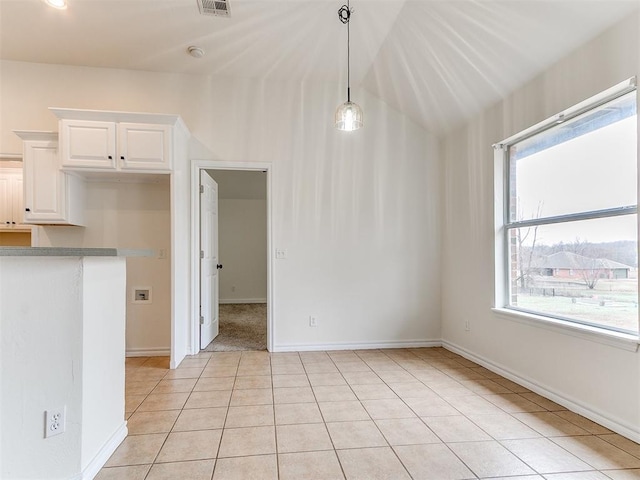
(26, 96)
(242, 227)
(602, 380)
(137, 216)
(358, 214)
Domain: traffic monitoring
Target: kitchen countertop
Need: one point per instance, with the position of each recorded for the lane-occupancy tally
(73, 252)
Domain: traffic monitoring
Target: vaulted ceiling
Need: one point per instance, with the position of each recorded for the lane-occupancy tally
(438, 61)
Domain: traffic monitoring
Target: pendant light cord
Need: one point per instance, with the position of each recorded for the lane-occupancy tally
(348, 55)
(345, 15)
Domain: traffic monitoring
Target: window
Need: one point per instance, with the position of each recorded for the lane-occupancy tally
(568, 236)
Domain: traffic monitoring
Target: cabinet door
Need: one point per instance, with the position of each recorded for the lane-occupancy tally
(144, 147)
(5, 201)
(88, 144)
(17, 201)
(44, 188)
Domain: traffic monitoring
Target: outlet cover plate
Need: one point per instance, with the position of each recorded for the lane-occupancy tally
(142, 295)
(54, 423)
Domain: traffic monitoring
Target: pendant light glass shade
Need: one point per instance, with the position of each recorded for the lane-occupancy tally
(348, 117)
(59, 4)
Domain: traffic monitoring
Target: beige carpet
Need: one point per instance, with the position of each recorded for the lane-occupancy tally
(242, 327)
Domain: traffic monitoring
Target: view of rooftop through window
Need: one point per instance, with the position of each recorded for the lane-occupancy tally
(572, 226)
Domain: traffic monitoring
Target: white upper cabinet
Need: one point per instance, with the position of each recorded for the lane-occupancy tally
(87, 144)
(143, 146)
(116, 141)
(51, 196)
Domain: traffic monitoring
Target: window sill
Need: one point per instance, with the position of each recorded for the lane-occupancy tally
(623, 341)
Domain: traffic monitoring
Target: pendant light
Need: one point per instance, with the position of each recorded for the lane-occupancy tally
(349, 114)
(59, 4)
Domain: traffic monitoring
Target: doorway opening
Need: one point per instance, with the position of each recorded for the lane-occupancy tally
(234, 268)
(243, 326)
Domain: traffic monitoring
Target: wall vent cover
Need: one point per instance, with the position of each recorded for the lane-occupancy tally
(219, 8)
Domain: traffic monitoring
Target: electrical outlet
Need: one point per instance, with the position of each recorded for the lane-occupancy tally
(467, 327)
(281, 253)
(142, 295)
(54, 422)
(313, 321)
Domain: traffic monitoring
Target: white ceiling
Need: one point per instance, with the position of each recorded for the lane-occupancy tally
(438, 61)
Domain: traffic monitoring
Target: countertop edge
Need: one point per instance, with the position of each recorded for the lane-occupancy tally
(73, 252)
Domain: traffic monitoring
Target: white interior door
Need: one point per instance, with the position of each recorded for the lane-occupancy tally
(209, 284)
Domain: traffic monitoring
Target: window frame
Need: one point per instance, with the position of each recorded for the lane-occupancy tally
(504, 224)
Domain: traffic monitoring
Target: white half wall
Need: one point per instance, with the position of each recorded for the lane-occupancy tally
(603, 380)
(41, 365)
(133, 216)
(242, 227)
(62, 346)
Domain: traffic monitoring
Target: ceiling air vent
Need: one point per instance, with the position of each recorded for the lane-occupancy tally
(219, 8)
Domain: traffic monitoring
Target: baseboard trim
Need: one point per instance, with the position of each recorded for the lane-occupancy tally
(617, 425)
(357, 346)
(94, 466)
(242, 300)
(148, 352)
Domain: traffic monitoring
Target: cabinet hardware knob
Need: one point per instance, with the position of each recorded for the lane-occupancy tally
(8, 223)
(219, 267)
(110, 157)
(121, 158)
(27, 209)
(13, 223)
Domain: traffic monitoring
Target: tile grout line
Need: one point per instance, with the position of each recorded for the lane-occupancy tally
(335, 451)
(224, 422)
(165, 438)
(420, 418)
(383, 435)
(275, 427)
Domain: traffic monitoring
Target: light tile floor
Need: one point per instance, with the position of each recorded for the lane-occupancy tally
(373, 414)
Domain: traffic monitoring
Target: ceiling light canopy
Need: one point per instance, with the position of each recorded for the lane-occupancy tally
(195, 52)
(348, 115)
(59, 4)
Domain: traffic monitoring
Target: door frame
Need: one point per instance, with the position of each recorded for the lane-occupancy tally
(196, 166)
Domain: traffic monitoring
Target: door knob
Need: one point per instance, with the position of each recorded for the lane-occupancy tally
(219, 267)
